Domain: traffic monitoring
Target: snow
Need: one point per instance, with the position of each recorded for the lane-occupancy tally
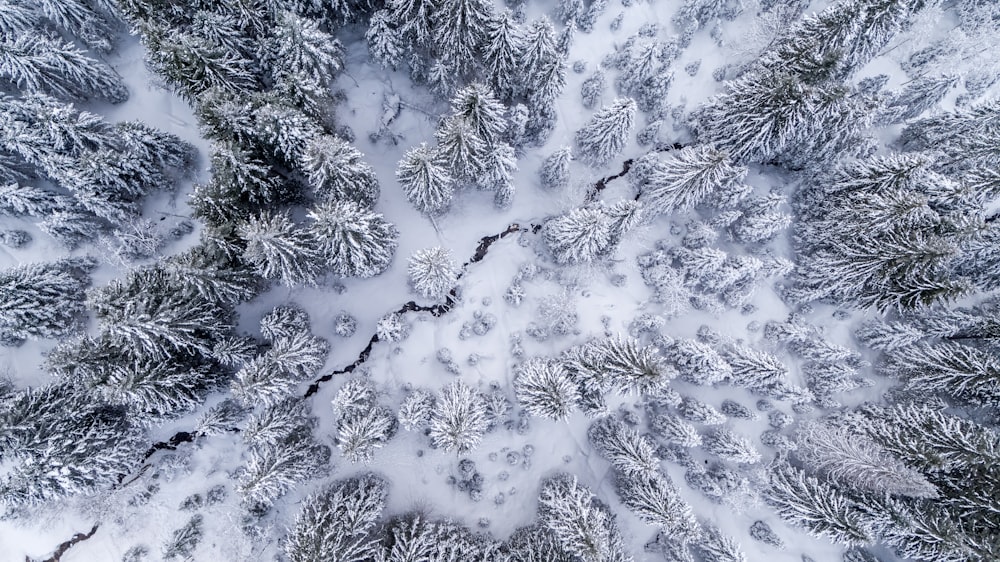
(385, 99)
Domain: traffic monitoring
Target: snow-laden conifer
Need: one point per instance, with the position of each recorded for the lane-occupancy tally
(858, 462)
(554, 173)
(353, 241)
(804, 501)
(426, 180)
(433, 272)
(502, 46)
(277, 248)
(583, 527)
(656, 500)
(544, 388)
(459, 419)
(336, 171)
(336, 522)
(42, 300)
(37, 64)
(629, 453)
(300, 46)
(688, 177)
(731, 446)
(606, 133)
(385, 41)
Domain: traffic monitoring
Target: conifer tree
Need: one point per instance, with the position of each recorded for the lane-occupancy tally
(687, 178)
(385, 42)
(57, 441)
(583, 528)
(554, 172)
(586, 234)
(630, 366)
(336, 171)
(731, 446)
(459, 29)
(427, 183)
(43, 300)
(353, 241)
(754, 369)
(415, 20)
(337, 522)
(277, 249)
(817, 507)
(607, 132)
(675, 430)
(459, 419)
(37, 64)
(544, 388)
(480, 108)
(461, 149)
(150, 312)
(964, 372)
(433, 272)
(416, 410)
(194, 65)
(300, 46)
(858, 462)
(656, 500)
(630, 454)
(502, 46)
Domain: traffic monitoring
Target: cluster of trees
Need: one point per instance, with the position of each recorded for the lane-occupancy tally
(454, 43)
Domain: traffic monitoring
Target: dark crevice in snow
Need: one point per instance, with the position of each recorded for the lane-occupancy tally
(436, 310)
(66, 545)
(171, 444)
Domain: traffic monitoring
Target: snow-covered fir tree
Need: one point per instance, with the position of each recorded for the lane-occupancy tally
(37, 64)
(583, 527)
(336, 171)
(459, 419)
(277, 248)
(543, 387)
(43, 300)
(629, 453)
(426, 180)
(606, 133)
(502, 47)
(338, 521)
(433, 272)
(554, 172)
(687, 178)
(352, 240)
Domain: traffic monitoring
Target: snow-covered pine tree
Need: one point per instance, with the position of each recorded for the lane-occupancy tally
(966, 137)
(43, 300)
(413, 19)
(337, 522)
(697, 411)
(276, 248)
(675, 430)
(964, 372)
(37, 64)
(385, 42)
(58, 442)
(360, 431)
(629, 453)
(480, 108)
(731, 446)
(698, 362)
(804, 501)
(426, 180)
(631, 366)
(433, 272)
(461, 150)
(607, 132)
(299, 46)
(459, 419)
(714, 546)
(353, 241)
(416, 410)
(587, 234)
(502, 47)
(858, 462)
(150, 312)
(554, 173)
(754, 369)
(336, 171)
(193, 65)
(584, 528)
(656, 500)
(545, 389)
(274, 468)
(459, 30)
